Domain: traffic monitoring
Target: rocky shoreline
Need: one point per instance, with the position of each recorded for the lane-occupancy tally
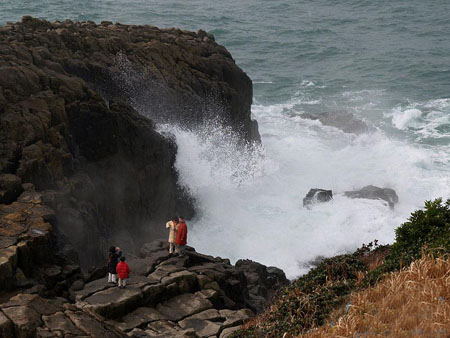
(193, 296)
(83, 166)
(79, 103)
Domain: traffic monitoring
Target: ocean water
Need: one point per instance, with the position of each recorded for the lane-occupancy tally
(386, 62)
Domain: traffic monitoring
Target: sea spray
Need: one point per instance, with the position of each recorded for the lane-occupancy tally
(249, 198)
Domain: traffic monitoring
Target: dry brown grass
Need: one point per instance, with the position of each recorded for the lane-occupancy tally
(414, 302)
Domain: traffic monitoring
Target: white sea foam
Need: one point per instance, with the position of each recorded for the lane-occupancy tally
(430, 119)
(249, 200)
(309, 83)
(403, 119)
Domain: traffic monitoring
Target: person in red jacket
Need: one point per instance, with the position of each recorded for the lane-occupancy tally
(181, 237)
(123, 270)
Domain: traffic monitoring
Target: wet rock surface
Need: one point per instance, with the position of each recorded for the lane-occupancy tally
(78, 106)
(317, 196)
(375, 193)
(345, 121)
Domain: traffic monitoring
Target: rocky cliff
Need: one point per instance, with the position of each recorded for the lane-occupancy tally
(78, 107)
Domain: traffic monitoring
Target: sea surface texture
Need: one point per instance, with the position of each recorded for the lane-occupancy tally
(385, 62)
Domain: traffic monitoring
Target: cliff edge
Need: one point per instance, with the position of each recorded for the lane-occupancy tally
(78, 108)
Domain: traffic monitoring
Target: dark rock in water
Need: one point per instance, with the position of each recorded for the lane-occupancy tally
(344, 121)
(317, 195)
(375, 193)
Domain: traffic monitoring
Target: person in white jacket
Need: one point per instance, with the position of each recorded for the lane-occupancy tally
(172, 226)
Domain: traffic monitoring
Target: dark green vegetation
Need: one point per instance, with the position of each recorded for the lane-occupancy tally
(309, 300)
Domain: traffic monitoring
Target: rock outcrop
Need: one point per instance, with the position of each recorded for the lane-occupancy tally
(193, 296)
(166, 296)
(317, 196)
(28, 315)
(83, 166)
(75, 103)
(375, 193)
(344, 121)
(27, 258)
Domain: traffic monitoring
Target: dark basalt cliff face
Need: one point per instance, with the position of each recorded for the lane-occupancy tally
(78, 103)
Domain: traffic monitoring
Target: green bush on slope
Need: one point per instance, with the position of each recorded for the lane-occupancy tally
(429, 227)
(309, 300)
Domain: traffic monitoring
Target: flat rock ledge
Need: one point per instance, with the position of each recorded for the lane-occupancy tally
(193, 296)
(166, 296)
(28, 315)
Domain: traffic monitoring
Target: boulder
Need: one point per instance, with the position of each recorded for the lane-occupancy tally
(375, 193)
(148, 248)
(317, 196)
(113, 302)
(203, 328)
(237, 317)
(229, 331)
(24, 319)
(186, 281)
(211, 314)
(58, 322)
(138, 317)
(26, 315)
(262, 282)
(91, 288)
(154, 293)
(91, 326)
(6, 326)
(344, 121)
(183, 306)
(10, 188)
(163, 329)
(95, 273)
(25, 311)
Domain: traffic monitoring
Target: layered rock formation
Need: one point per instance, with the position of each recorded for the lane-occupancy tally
(193, 296)
(28, 315)
(74, 105)
(82, 166)
(197, 295)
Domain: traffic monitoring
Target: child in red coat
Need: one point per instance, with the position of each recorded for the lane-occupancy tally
(123, 270)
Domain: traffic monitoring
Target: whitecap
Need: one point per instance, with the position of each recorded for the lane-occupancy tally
(249, 199)
(403, 119)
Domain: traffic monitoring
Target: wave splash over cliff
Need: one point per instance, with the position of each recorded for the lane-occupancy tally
(249, 199)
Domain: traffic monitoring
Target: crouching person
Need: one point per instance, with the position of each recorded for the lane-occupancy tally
(123, 271)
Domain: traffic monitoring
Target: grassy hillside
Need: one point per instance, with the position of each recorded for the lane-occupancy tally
(308, 302)
(411, 302)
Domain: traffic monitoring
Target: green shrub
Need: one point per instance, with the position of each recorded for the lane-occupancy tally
(427, 229)
(309, 300)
